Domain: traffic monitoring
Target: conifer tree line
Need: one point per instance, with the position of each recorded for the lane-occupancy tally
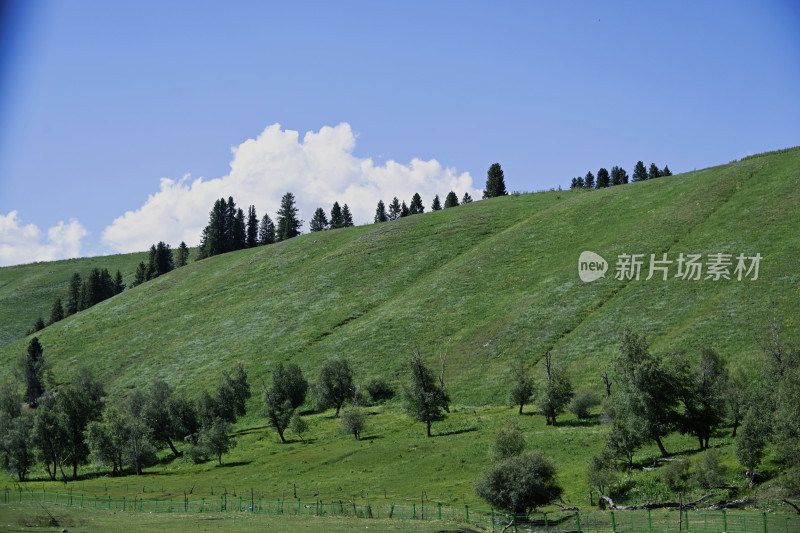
(228, 229)
(618, 176)
(99, 285)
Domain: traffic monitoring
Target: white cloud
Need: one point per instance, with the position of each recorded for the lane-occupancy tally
(21, 244)
(318, 170)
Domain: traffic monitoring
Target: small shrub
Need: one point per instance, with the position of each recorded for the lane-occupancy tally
(519, 484)
(674, 474)
(379, 390)
(298, 425)
(353, 420)
(583, 400)
(709, 472)
(508, 443)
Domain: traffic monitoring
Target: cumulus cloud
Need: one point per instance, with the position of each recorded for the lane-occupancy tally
(21, 244)
(318, 170)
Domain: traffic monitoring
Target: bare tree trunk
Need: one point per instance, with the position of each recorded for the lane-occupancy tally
(443, 358)
(660, 446)
(608, 384)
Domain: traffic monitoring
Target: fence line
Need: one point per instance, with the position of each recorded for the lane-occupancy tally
(558, 522)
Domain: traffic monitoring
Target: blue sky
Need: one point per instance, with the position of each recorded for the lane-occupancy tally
(101, 101)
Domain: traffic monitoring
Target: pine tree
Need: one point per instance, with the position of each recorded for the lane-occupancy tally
(466, 199)
(603, 178)
(574, 183)
(57, 313)
(416, 206)
(140, 276)
(639, 172)
(162, 261)
(404, 211)
(319, 222)
(451, 200)
(437, 205)
(666, 172)
(288, 224)
(380, 212)
(239, 233)
(119, 286)
(347, 217)
(74, 300)
(183, 255)
(579, 182)
(32, 372)
(495, 182)
(618, 176)
(214, 235)
(252, 227)
(588, 181)
(653, 173)
(394, 209)
(336, 216)
(266, 231)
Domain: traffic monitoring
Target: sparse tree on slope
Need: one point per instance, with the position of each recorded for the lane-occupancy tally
(252, 227)
(653, 173)
(319, 222)
(57, 312)
(288, 224)
(424, 400)
(556, 393)
(266, 231)
(336, 216)
(495, 182)
(588, 180)
(437, 205)
(416, 207)
(380, 212)
(466, 199)
(334, 385)
(639, 172)
(648, 387)
(287, 393)
(603, 179)
(32, 371)
(618, 176)
(74, 299)
(394, 209)
(451, 200)
(347, 217)
(521, 389)
(519, 484)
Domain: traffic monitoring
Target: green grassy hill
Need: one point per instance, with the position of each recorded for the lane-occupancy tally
(494, 282)
(27, 292)
(497, 279)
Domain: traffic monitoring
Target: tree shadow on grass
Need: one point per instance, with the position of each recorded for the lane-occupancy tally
(593, 420)
(232, 463)
(455, 432)
(371, 437)
(250, 430)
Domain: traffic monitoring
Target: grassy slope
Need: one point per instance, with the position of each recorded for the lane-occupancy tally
(496, 278)
(27, 292)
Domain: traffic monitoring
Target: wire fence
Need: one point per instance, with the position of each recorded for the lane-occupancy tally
(559, 522)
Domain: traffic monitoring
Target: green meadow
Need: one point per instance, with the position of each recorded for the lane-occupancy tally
(492, 284)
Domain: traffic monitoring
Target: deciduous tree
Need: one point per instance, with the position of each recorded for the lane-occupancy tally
(334, 385)
(519, 484)
(424, 400)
